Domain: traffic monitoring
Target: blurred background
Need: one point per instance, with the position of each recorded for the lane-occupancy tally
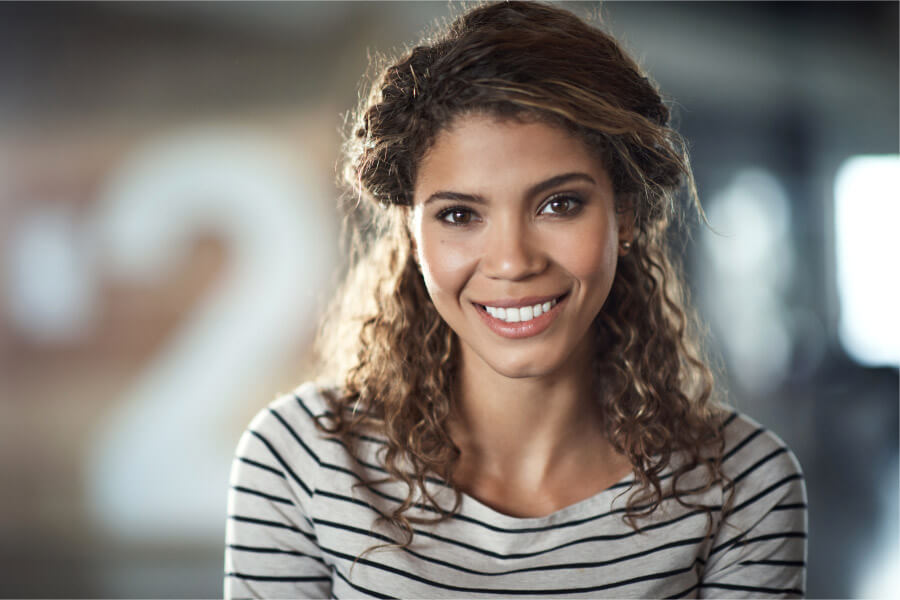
(168, 236)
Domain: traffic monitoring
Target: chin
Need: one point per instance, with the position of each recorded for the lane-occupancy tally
(523, 369)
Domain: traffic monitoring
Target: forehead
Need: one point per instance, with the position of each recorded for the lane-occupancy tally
(483, 153)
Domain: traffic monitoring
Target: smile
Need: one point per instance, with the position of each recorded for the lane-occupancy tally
(520, 321)
(523, 314)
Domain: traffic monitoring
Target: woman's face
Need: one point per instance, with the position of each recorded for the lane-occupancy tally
(516, 234)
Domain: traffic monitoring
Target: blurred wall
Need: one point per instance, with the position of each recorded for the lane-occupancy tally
(168, 232)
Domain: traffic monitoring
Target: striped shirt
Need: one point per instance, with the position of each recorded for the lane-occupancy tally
(296, 524)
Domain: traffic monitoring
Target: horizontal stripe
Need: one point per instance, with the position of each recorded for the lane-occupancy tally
(259, 465)
(267, 523)
(779, 563)
(791, 506)
(276, 577)
(772, 536)
(736, 541)
(752, 588)
(540, 568)
(271, 497)
(258, 550)
(530, 590)
(685, 592)
(360, 588)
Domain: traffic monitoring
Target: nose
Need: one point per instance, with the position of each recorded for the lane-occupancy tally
(512, 251)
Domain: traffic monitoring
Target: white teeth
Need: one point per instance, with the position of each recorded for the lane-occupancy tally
(518, 315)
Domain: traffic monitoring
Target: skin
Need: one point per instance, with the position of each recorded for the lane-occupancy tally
(506, 209)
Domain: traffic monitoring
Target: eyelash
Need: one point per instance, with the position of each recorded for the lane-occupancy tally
(575, 201)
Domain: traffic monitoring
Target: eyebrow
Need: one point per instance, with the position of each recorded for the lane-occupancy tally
(537, 188)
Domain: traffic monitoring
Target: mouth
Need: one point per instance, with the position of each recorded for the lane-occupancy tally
(521, 321)
(521, 312)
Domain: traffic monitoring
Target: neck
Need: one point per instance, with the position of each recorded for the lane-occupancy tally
(524, 428)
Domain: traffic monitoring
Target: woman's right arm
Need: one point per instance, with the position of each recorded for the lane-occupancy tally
(271, 548)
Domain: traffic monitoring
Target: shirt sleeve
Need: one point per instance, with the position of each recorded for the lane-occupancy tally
(271, 549)
(760, 549)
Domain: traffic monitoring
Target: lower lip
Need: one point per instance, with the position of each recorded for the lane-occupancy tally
(521, 330)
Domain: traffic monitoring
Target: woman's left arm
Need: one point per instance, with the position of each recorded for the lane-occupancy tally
(760, 549)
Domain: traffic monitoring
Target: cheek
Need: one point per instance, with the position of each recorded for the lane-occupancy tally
(588, 256)
(446, 266)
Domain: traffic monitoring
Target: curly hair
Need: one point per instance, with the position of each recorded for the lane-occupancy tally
(383, 340)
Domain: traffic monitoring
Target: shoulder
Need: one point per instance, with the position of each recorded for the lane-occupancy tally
(751, 447)
(284, 436)
(764, 472)
(760, 545)
(291, 413)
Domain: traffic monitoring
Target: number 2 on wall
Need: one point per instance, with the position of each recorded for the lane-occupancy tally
(158, 465)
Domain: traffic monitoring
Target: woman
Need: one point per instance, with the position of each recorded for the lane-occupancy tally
(520, 407)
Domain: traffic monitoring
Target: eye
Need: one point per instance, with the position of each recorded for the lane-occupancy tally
(456, 215)
(562, 205)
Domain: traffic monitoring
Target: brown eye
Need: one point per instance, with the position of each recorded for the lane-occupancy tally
(562, 206)
(456, 216)
(559, 206)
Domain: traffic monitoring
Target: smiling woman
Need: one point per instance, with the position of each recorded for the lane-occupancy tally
(513, 401)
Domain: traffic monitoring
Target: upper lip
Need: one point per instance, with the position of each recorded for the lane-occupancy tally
(519, 302)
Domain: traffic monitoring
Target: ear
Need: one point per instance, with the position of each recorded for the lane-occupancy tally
(625, 226)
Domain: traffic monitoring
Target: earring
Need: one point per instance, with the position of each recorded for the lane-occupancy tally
(626, 246)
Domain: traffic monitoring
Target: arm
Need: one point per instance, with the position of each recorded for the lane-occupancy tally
(760, 549)
(271, 547)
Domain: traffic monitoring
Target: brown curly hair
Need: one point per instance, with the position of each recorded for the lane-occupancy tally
(384, 342)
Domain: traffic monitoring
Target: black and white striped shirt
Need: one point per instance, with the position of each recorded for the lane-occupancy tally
(296, 524)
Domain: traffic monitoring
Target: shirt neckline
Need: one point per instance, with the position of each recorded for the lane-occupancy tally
(588, 507)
